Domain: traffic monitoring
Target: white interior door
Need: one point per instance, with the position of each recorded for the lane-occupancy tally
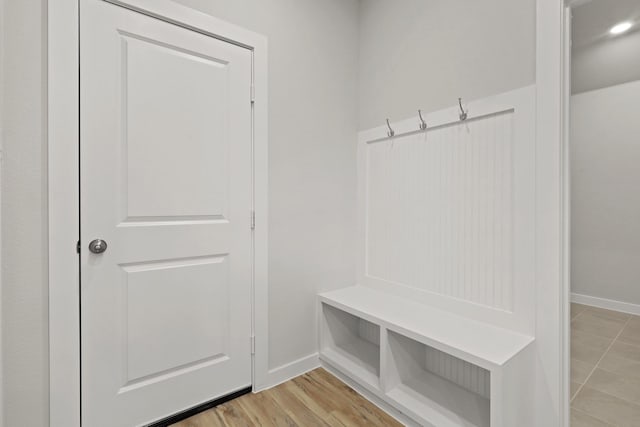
(166, 182)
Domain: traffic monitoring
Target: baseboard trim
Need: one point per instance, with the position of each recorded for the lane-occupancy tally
(609, 304)
(172, 419)
(288, 371)
(393, 412)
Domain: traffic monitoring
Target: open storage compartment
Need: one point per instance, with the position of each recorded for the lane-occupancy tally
(433, 367)
(436, 387)
(351, 344)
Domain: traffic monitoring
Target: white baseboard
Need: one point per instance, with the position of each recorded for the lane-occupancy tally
(399, 416)
(305, 364)
(609, 304)
(289, 371)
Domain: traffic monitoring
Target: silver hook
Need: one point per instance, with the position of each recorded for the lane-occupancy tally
(423, 124)
(390, 132)
(463, 114)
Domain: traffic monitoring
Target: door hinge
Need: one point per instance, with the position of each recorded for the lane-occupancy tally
(253, 344)
(253, 94)
(253, 220)
(78, 246)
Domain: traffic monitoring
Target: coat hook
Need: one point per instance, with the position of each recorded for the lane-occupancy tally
(423, 124)
(463, 114)
(390, 132)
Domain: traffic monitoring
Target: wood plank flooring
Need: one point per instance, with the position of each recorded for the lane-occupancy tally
(313, 399)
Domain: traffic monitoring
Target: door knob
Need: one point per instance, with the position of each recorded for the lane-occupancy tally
(98, 246)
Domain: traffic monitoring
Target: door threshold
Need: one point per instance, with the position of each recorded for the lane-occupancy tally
(172, 419)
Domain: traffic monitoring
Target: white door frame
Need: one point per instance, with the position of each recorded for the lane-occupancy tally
(552, 215)
(64, 180)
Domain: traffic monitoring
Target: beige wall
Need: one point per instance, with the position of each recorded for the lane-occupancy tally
(427, 53)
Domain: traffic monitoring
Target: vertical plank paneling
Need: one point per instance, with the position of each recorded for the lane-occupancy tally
(369, 331)
(465, 374)
(439, 211)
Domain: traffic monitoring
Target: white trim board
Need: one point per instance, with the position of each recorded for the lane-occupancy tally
(371, 397)
(289, 371)
(1, 173)
(63, 182)
(552, 215)
(609, 304)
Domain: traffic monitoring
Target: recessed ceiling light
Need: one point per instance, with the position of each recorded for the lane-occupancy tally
(620, 28)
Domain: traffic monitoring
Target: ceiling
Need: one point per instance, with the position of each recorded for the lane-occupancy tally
(593, 19)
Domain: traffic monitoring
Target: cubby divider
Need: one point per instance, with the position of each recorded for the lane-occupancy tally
(425, 394)
(352, 343)
(431, 366)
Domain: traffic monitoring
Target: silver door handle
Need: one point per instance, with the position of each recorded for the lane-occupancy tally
(98, 246)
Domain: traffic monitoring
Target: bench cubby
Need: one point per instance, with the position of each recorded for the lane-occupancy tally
(424, 394)
(434, 367)
(352, 343)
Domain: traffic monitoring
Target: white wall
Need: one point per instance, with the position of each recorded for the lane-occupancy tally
(600, 59)
(606, 63)
(24, 260)
(605, 205)
(427, 53)
(312, 121)
(313, 55)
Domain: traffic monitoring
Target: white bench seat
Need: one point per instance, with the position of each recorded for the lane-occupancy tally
(480, 343)
(387, 359)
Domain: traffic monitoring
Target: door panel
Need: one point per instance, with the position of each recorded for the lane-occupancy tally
(166, 182)
(153, 73)
(197, 328)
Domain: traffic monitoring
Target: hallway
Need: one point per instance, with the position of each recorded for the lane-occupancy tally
(605, 367)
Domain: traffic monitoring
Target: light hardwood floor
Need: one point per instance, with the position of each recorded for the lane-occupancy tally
(313, 399)
(605, 368)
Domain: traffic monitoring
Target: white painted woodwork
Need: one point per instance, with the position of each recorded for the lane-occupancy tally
(439, 210)
(413, 386)
(191, 177)
(446, 263)
(465, 374)
(346, 347)
(166, 180)
(63, 128)
(446, 216)
(480, 343)
(64, 182)
(608, 304)
(373, 397)
(435, 366)
(369, 332)
(553, 41)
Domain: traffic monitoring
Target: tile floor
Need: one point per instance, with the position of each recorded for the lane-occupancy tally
(605, 368)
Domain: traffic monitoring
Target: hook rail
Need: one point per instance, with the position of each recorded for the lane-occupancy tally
(406, 129)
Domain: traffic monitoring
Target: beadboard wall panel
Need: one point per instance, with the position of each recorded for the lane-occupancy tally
(467, 375)
(369, 331)
(446, 214)
(440, 210)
